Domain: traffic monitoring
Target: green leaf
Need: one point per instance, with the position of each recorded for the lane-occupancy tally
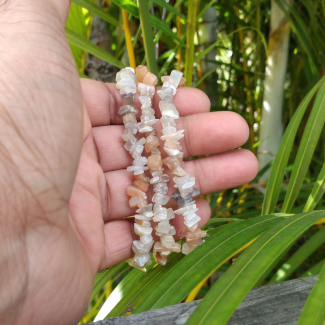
(98, 11)
(314, 269)
(170, 16)
(161, 26)
(306, 149)
(91, 48)
(129, 6)
(103, 277)
(147, 35)
(317, 192)
(281, 159)
(171, 57)
(314, 310)
(251, 266)
(299, 256)
(205, 9)
(77, 22)
(204, 77)
(132, 9)
(121, 290)
(175, 285)
(170, 8)
(143, 287)
(117, 294)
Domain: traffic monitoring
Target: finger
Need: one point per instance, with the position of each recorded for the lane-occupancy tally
(214, 173)
(204, 213)
(205, 134)
(103, 101)
(119, 235)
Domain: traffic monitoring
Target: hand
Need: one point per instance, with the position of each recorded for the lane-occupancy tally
(62, 168)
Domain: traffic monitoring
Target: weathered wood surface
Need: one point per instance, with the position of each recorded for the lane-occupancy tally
(276, 304)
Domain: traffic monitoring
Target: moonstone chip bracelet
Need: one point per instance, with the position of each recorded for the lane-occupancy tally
(184, 182)
(128, 82)
(159, 180)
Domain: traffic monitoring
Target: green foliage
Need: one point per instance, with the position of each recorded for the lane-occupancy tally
(314, 310)
(228, 65)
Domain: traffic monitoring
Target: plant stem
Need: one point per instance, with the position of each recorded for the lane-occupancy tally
(191, 27)
(149, 45)
(128, 39)
(247, 83)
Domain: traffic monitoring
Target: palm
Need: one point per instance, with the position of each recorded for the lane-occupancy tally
(99, 201)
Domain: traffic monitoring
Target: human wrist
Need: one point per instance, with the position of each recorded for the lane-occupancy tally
(25, 10)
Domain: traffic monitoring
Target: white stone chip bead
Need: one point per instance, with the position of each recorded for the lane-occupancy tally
(168, 84)
(175, 77)
(126, 73)
(175, 136)
(163, 227)
(171, 232)
(192, 222)
(166, 94)
(128, 90)
(142, 231)
(147, 239)
(171, 152)
(139, 248)
(167, 241)
(188, 212)
(146, 90)
(142, 217)
(169, 130)
(140, 162)
(170, 214)
(135, 168)
(145, 209)
(182, 180)
(160, 215)
(186, 249)
(185, 209)
(142, 259)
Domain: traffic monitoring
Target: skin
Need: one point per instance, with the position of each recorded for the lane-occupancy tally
(62, 167)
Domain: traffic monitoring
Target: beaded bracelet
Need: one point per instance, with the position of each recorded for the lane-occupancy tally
(127, 83)
(184, 182)
(159, 180)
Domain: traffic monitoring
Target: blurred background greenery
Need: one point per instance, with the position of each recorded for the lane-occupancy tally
(264, 60)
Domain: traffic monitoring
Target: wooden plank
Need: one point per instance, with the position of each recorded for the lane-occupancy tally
(273, 304)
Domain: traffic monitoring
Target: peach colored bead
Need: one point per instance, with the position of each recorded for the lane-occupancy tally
(194, 243)
(142, 202)
(172, 162)
(143, 186)
(150, 79)
(152, 141)
(171, 144)
(141, 72)
(162, 260)
(139, 201)
(134, 191)
(165, 79)
(154, 162)
(142, 177)
(159, 248)
(182, 82)
(194, 239)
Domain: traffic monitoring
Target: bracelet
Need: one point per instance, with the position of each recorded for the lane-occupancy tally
(128, 82)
